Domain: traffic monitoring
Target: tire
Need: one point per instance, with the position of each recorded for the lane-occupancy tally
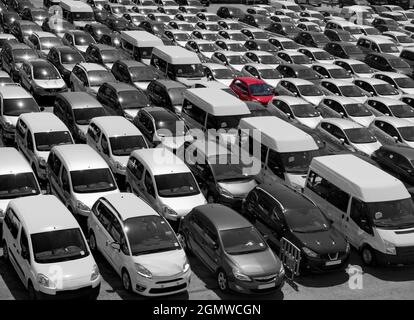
(222, 281)
(126, 281)
(368, 256)
(92, 242)
(31, 292)
(5, 251)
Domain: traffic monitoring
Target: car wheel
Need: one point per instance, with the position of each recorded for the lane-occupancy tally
(92, 242)
(31, 292)
(368, 256)
(126, 281)
(222, 281)
(5, 251)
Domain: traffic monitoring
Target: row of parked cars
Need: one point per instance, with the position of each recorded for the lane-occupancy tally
(144, 154)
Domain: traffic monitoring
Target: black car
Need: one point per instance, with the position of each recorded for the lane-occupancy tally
(7, 18)
(339, 35)
(388, 62)
(96, 30)
(345, 50)
(397, 160)
(280, 212)
(286, 29)
(13, 55)
(117, 24)
(64, 58)
(104, 54)
(121, 99)
(229, 12)
(256, 20)
(289, 70)
(156, 28)
(135, 73)
(37, 15)
(100, 15)
(22, 29)
(312, 39)
(261, 45)
(167, 93)
(385, 24)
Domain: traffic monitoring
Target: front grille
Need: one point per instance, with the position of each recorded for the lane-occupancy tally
(405, 251)
(266, 279)
(169, 281)
(332, 256)
(168, 289)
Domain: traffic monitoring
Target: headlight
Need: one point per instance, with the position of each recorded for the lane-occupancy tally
(224, 192)
(142, 271)
(81, 206)
(167, 210)
(389, 248)
(186, 266)
(309, 252)
(95, 273)
(44, 281)
(240, 276)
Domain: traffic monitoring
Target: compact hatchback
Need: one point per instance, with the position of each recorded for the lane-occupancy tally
(139, 244)
(231, 248)
(252, 89)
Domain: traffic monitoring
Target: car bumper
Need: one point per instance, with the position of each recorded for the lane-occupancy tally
(398, 259)
(318, 265)
(255, 287)
(158, 287)
(85, 293)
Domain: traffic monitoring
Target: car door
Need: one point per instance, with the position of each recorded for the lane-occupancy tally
(101, 226)
(135, 175)
(148, 190)
(29, 151)
(25, 76)
(23, 255)
(53, 167)
(104, 148)
(117, 236)
(211, 244)
(11, 236)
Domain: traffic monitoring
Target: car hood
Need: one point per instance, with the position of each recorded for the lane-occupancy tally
(395, 96)
(322, 242)
(82, 48)
(367, 148)
(11, 119)
(272, 82)
(257, 263)
(238, 188)
(226, 82)
(315, 100)
(142, 84)
(50, 84)
(190, 82)
(163, 264)
(310, 122)
(183, 205)
(360, 99)
(363, 121)
(4, 204)
(89, 199)
(238, 67)
(83, 128)
(262, 99)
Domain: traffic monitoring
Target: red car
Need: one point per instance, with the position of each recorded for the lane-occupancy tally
(252, 89)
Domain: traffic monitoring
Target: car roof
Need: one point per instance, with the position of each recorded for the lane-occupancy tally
(80, 100)
(160, 161)
(392, 75)
(327, 66)
(43, 213)
(13, 92)
(161, 114)
(337, 82)
(222, 217)
(286, 196)
(88, 66)
(385, 55)
(121, 86)
(43, 122)
(260, 52)
(43, 34)
(128, 205)
(210, 147)
(12, 161)
(342, 123)
(351, 61)
(114, 126)
(79, 157)
(250, 80)
(215, 65)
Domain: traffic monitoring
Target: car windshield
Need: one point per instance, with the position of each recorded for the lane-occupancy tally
(47, 43)
(97, 77)
(150, 234)
(192, 19)
(45, 72)
(21, 55)
(360, 135)
(347, 37)
(207, 47)
(84, 115)
(339, 73)
(309, 90)
(357, 110)
(225, 170)
(237, 47)
(171, 128)
(268, 59)
(242, 241)
(407, 133)
(58, 246)
(124, 145)
(388, 48)
(391, 214)
(304, 111)
(261, 89)
(307, 74)
(306, 220)
(385, 89)
(176, 185)
(182, 36)
(236, 59)
(210, 36)
(300, 59)
(260, 35)
(176, 96)
(83, 39)
(269, 74)
(352, 30)
(189, 70)
(223, 74)
(238, 37)
(102, 30)
(404, 82)
(402, 111)
(145, 52)
(352, 49)
(45, 141)
(295, 162)
(405, 39)
(92, 180)
(323, 55)
(18, 185)
(109, 56)
(372, 31)
(398, 63)
(82, 16)
(289, 45)
(133, 99)
(361, 68)
(72, 57)
(351, 91)
(16, 107)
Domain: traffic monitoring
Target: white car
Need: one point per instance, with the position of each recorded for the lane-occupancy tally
(332, 71)
(401, 38)
(235, 60)
(390, 107)
(89, 77)
(262, 71)
(377, 87)
(263, 57)
(139, 244)
(219, 72)
(203, 47)
(300, 88)
(231, 45)
(394, 130)
(317, 55)
(344, 89)
(357, 68)
(293, 56)
(398, 80)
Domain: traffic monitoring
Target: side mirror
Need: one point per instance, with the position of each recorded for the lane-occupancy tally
(289, 115)
(395, 138)
(342, 140)
(116, 246)
(342, 114)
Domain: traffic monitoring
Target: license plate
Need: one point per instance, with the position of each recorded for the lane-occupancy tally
(332, 263)
(266, 286)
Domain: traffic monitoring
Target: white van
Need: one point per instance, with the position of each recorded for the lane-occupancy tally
(139, 44)
(139, 244)
(284, 150)
(114, 138)
(178, 64)
(79, 176)
(17, 178)
(48, 250)
(164, 181)
(36, 134)
(371, 208)
(77, 12)
(214, 109)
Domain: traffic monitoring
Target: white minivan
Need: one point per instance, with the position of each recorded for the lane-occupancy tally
(284, 150)
(370, 207)
(139, 244)
(139, 44)
(77, 12)
(164, 181)
(36, 134)
(48, 250)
